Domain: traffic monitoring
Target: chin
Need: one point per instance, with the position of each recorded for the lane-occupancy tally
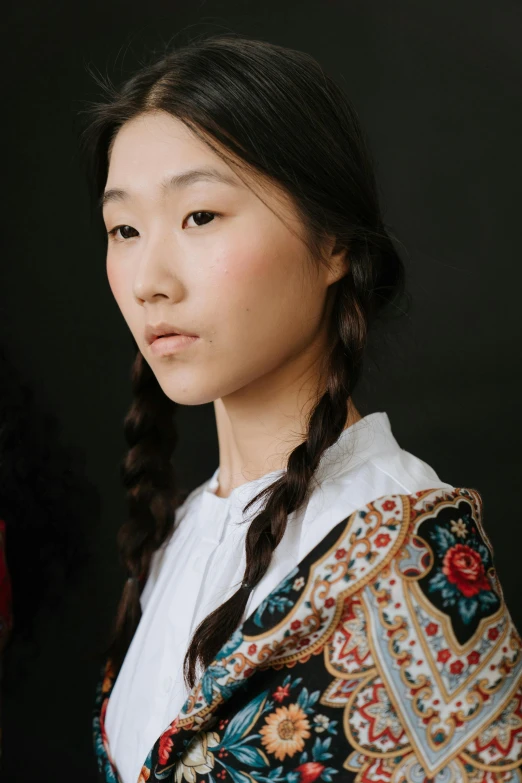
(186, 391)
(185, 386)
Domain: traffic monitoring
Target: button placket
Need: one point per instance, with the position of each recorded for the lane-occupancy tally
(212, 536)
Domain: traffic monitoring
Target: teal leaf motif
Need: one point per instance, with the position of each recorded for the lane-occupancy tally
(450, 594)
(212, 673)
(443, 540)
(277, 598)
(487, 599)
(243, 721)
(306, 701)
(232, 644)
(320, 749)
(327, 773)
(332, 727)
(467, 609)
(274, 776)
(247, 755)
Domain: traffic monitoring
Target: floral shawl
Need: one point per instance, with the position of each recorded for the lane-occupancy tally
(387, 655)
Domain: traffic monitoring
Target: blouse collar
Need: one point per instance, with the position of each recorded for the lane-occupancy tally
(370, 435)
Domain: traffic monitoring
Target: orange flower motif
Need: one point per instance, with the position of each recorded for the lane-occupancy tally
(285, 731)
(144, 775)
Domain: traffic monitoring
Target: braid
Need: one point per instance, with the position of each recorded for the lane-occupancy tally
(326, 423)
(149, 477)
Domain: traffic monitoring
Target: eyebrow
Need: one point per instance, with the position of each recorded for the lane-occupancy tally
(176, 182)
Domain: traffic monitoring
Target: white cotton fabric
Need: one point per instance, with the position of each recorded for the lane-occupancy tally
(203, 563)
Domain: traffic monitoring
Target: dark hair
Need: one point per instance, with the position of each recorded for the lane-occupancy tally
(273, 110)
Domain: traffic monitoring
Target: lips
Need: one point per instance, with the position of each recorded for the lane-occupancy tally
(164, 329)
(171, 344)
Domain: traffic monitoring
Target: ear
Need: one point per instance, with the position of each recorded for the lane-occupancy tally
(337, 260)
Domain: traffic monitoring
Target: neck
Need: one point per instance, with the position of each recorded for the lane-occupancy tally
(258, 429)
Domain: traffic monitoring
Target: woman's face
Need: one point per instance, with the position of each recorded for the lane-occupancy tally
(232, 273)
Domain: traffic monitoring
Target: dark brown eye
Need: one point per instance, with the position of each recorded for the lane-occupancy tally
(121, 229)
(199, 220)
(125, 229)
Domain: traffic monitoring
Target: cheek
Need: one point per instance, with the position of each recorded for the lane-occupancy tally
(114, 282)
(260, 294)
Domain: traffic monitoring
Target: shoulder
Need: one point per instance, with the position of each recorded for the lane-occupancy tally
(375, 456)
(443, 657)
(417, 636)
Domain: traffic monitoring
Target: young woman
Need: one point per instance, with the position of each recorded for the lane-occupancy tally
(324, 607)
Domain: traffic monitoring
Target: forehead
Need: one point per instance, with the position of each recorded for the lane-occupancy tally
(155, 143)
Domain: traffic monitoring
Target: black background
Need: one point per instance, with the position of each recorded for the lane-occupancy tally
(437, 86)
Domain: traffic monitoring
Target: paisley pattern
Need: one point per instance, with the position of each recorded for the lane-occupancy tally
(387, 655)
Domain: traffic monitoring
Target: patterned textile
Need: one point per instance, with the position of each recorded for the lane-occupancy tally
(387, 655)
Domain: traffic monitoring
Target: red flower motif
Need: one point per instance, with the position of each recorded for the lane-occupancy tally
(493, 634)
(431, 629)
(340, 553)
(165, 744)
(281, 693)
(383, 539)
(456, 667)
(309, 771)
(443, 656)
(248, 672)
(295, 625)
(464, 568)
(473, 658)
(388, 505)
(252, 649)
(329, 602)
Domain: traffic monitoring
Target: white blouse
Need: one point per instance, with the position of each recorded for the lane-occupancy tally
(203, 562)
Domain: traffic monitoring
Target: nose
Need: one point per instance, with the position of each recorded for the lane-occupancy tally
(156, 271)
